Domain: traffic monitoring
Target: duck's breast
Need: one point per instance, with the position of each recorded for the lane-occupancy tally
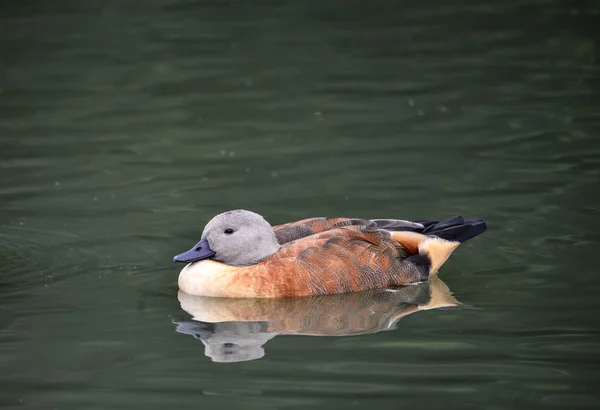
(210, 278)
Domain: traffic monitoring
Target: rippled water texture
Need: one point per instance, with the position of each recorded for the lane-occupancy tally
(126, 125)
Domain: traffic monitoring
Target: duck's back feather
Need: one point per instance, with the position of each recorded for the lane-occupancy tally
(300, 229)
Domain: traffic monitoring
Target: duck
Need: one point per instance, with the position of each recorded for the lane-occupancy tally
(241, 255)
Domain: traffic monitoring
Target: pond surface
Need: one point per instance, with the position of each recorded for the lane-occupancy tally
(126, 125)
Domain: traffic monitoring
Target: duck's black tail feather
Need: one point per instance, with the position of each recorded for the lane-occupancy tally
(457, 228)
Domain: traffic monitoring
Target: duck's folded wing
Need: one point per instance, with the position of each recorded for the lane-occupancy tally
(341, 260)
(301, 229)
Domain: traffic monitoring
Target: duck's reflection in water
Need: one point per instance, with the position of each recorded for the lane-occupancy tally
(235, 330)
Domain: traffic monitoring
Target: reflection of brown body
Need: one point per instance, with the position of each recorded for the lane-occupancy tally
(323, 256)
(331, 315)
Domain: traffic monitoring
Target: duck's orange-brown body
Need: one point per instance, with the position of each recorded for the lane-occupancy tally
(324, 256)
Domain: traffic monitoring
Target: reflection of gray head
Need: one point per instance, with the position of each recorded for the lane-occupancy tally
(229, 342)
(240, 238)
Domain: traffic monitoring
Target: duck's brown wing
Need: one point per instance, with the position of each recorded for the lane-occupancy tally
(339, 260)
(301, 229)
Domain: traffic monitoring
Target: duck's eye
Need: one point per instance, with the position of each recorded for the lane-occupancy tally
(228, 231)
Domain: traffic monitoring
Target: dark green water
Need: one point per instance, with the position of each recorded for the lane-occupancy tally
(126, 125)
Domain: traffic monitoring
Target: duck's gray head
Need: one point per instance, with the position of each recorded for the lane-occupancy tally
(237, 238)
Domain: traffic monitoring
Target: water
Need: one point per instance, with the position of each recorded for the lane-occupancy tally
(125, 126)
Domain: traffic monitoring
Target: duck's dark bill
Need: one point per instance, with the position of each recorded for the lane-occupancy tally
(197, 253)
